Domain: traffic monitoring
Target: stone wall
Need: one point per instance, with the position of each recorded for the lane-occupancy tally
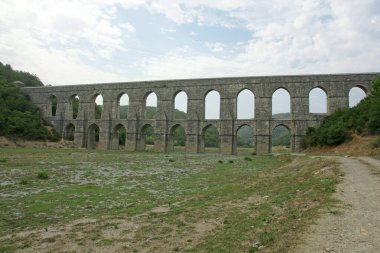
(337, 88)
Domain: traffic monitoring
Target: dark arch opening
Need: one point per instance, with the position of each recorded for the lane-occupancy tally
(98, 106)
(281, 139)
(119, 136)
(245, 140)
(74, 106)
(150, 109)
(180, 105)
(245, 105)
(123, 105)
(54, 103)
(69, 132)
(212, 105)
(177, 141)
(356, 95)
(281, 108)
(93, 136)
(147, 138)
(210, 139)
(317, 101)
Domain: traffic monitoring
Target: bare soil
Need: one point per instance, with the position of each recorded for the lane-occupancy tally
(355, 227)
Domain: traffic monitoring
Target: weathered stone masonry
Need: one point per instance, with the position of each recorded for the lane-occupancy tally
(337, 88)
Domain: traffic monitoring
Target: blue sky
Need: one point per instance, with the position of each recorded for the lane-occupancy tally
(71, 42)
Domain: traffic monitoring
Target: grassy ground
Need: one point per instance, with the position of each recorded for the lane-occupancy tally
(76, 200)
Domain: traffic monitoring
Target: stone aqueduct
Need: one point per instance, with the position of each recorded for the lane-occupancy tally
(336, 86)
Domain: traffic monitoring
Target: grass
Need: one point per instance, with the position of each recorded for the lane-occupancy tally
(185, 203)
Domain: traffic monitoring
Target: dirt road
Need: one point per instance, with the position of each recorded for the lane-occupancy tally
(356, 227)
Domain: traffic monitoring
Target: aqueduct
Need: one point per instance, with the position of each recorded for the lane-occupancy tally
(83, 123)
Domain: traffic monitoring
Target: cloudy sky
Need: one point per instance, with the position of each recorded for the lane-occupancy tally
(91, 41)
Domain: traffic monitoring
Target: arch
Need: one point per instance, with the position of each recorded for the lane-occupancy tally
(210, 139)
(180, 105)
(245, 140)
(119, 136)
(93, 134)
(318, 102)
(147, 137)
(245, 104)
(74, 106)
(53, 105)
(355, 95)
(212, 105)
(281, 139)
(150, 106)
(122, 106)
(177, 138)
(98, 106)
(281, 104)
(69, 132)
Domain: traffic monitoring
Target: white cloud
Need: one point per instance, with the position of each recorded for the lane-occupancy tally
(216, 47)
(59, 40)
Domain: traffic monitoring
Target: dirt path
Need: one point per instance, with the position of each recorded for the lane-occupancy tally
(356, 227)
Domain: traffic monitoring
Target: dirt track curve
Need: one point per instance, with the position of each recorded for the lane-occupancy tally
(356, 227)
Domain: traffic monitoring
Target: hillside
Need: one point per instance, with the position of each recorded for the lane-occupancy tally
(8, 75)
(363, 119)
(19, 117)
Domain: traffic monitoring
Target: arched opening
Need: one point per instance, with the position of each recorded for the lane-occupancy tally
(150, 106)
(212, 105)
(317, 101)
(281, 104)
(177, 141)
(281, 139)
(210, 140)
(119, 137)
(147, 138)
(74, 106)
(245, 141)
(123, 104)
(245, 105)
(98, 108)
(180, 105)
(356, 95)
(93, 136)
(54, 103)
(69, 132)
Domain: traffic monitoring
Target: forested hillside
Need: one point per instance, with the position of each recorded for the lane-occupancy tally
(8, 75)
(18, 116)
(363, 119)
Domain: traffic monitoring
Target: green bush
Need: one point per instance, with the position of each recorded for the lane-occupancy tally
(19, 117)
(376, 143)
(42, 175)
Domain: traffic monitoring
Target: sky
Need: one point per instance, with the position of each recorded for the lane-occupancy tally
(91, 41)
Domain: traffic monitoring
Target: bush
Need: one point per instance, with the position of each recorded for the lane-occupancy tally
(19, 117)
(42, 175)
(248, 158)
(376, 143)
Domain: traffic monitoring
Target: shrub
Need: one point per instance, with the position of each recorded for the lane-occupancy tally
(248, 158)
(24, 182)
(376, 143)
(42, 175)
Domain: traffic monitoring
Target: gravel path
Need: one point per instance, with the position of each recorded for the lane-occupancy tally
(357, 227)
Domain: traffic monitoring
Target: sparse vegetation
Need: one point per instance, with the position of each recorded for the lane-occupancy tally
(146, 202)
